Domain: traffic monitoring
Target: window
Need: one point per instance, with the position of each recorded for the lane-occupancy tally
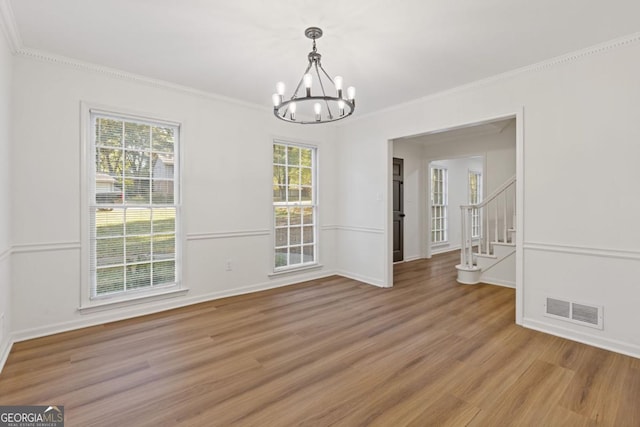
(133, 205)
(439, 200)
(294, 205)
(475, 197)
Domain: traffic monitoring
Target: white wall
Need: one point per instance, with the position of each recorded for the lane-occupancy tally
(6, 69)
(580, 170)
(227, 152)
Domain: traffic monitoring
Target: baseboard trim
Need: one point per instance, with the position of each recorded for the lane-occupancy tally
(102, 317)
(445, 249)
(497, 282)
(6, 349)
(361, 278)
(583, 337)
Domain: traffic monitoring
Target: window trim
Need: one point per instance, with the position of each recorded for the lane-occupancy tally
(315, 188)
(87, 302)
(445, 205)
(478, 214)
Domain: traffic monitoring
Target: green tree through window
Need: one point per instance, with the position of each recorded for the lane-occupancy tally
(133, 205)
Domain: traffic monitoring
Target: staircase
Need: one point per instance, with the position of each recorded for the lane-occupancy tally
(489, 239)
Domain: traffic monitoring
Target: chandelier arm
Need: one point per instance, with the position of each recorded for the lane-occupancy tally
(323, 92)
(325, 73)
(295, 92)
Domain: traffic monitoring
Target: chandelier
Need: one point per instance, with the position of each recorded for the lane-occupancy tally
(327, 105)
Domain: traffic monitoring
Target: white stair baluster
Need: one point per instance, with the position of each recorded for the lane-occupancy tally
(468, 271)
(504, 218)
(485, 234)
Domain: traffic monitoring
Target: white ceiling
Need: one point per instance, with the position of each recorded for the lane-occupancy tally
(393, 51)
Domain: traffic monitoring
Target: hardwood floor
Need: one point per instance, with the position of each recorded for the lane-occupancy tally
(329, 352)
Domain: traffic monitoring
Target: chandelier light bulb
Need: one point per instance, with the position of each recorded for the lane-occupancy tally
(351, 93)
(341, 107)
(280, 88)
(337, 80)
(318, 109)
(307, 83)
(292, 110)
(307, 80)
(276, 99)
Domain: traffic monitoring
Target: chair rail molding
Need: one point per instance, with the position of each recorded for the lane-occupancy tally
(370, 230)
(210, 235)
(582, 250)
(45, 247)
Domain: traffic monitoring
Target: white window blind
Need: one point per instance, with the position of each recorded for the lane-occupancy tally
(294, 205)
(133, 205)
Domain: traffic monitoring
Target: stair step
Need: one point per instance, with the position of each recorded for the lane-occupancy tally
(503, 244)
(468, 276)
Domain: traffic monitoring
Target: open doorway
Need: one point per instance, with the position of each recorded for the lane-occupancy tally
(473, 157)
(439, 171)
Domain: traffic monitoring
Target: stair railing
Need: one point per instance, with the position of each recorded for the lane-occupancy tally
(488, 221)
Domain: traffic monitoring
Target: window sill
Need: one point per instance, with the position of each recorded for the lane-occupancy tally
(439, 244)
(103, 305)
(295, 270)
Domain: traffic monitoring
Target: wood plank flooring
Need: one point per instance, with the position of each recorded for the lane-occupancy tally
(428, 352)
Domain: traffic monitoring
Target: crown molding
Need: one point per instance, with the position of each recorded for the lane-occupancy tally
(125, 75)
(548, 63)
(9, 28)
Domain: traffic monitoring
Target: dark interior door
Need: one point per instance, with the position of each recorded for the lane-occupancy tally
(398, 210)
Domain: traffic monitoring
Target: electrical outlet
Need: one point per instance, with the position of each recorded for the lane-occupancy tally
(227, 265)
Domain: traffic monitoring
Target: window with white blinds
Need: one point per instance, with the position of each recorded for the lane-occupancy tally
(439, 205)
(294, 205)
(133, 205)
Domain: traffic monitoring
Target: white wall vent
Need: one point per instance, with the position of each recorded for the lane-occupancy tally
(581, 314)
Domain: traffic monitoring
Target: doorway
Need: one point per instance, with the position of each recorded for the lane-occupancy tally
(419, 150)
